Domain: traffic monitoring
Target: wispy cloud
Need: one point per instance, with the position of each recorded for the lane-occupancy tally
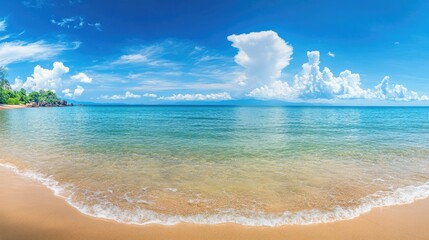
(34, 3)
(128, 95)
(74, 2)
(19, 51)
(198, 97)
(72, 22)
(331, 54)
(76, 22)
(3, 25)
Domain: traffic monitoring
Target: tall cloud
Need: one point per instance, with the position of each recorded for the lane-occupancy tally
(46, 79)
(263, 56)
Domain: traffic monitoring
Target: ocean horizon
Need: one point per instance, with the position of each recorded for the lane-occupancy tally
(250, 165)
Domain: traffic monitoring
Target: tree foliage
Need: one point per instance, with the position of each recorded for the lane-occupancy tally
(9, 96)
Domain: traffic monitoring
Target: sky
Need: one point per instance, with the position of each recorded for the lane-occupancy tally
(225, 51)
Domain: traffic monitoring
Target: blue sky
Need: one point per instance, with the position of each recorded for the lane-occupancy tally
(150, 52)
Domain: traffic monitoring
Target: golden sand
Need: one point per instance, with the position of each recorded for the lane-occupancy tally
(6, 107)
(29, 210)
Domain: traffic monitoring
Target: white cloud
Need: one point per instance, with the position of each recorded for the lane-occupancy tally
(76, 93)
(72, 22)
(82, 77)
(67, 92)
(19, 51)
(396, 92)
(198, 97)
(132, 58)
(75, 22)
(152, 95)
(277, 90)
(3, 25)
(97, 26)
(4, 37)
(44, 79)
(48, 79)
(331, 54)
(17, 85)
(128, 95)
(313, 84)
(263, 56)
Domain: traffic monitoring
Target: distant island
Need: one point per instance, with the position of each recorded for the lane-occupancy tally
(40, 98)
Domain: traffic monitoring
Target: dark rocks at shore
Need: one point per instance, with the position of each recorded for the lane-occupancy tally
(60, 103)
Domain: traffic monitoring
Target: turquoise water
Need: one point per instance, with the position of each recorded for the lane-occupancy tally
(212, 164)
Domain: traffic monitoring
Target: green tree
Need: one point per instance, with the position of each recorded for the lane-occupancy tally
(23, 97)
(9, 96)
(4, 85)
(34, 97)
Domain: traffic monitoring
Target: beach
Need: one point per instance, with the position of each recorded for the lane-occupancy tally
(7, 107)
(214, 173)
(29, 210)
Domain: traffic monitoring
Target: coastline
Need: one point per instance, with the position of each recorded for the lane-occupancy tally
(8, 107)
(29, 210)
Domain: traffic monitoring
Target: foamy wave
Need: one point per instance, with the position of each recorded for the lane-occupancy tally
(140, 216)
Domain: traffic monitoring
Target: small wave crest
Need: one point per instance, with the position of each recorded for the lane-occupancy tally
(139, 216)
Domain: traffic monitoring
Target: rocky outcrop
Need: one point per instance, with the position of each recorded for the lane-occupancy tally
(60, 103)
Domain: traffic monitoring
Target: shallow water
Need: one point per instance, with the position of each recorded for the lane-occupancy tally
(213, 164)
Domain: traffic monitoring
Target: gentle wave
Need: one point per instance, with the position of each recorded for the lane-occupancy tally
(108, 210)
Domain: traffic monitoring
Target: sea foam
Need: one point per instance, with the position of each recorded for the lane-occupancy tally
(139, 216)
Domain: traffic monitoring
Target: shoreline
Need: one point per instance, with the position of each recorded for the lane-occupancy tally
(30, 210)
(9, 107)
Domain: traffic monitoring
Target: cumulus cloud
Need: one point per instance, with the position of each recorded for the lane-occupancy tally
(81, 77)
(263, 55)
(67, 92)
(312, 83)
(3, 25)
(198, 97)
(48, 79)
(18, 51)
(76, 93)
(44, 79)
(396, 92)
(17, 85)
(128, 95)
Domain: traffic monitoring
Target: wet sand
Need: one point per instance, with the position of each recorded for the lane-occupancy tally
(28, 210)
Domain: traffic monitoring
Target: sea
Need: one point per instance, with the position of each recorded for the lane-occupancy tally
(249, 165)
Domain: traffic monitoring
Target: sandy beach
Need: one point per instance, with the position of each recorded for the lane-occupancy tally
(29, 210)
(7, 107)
